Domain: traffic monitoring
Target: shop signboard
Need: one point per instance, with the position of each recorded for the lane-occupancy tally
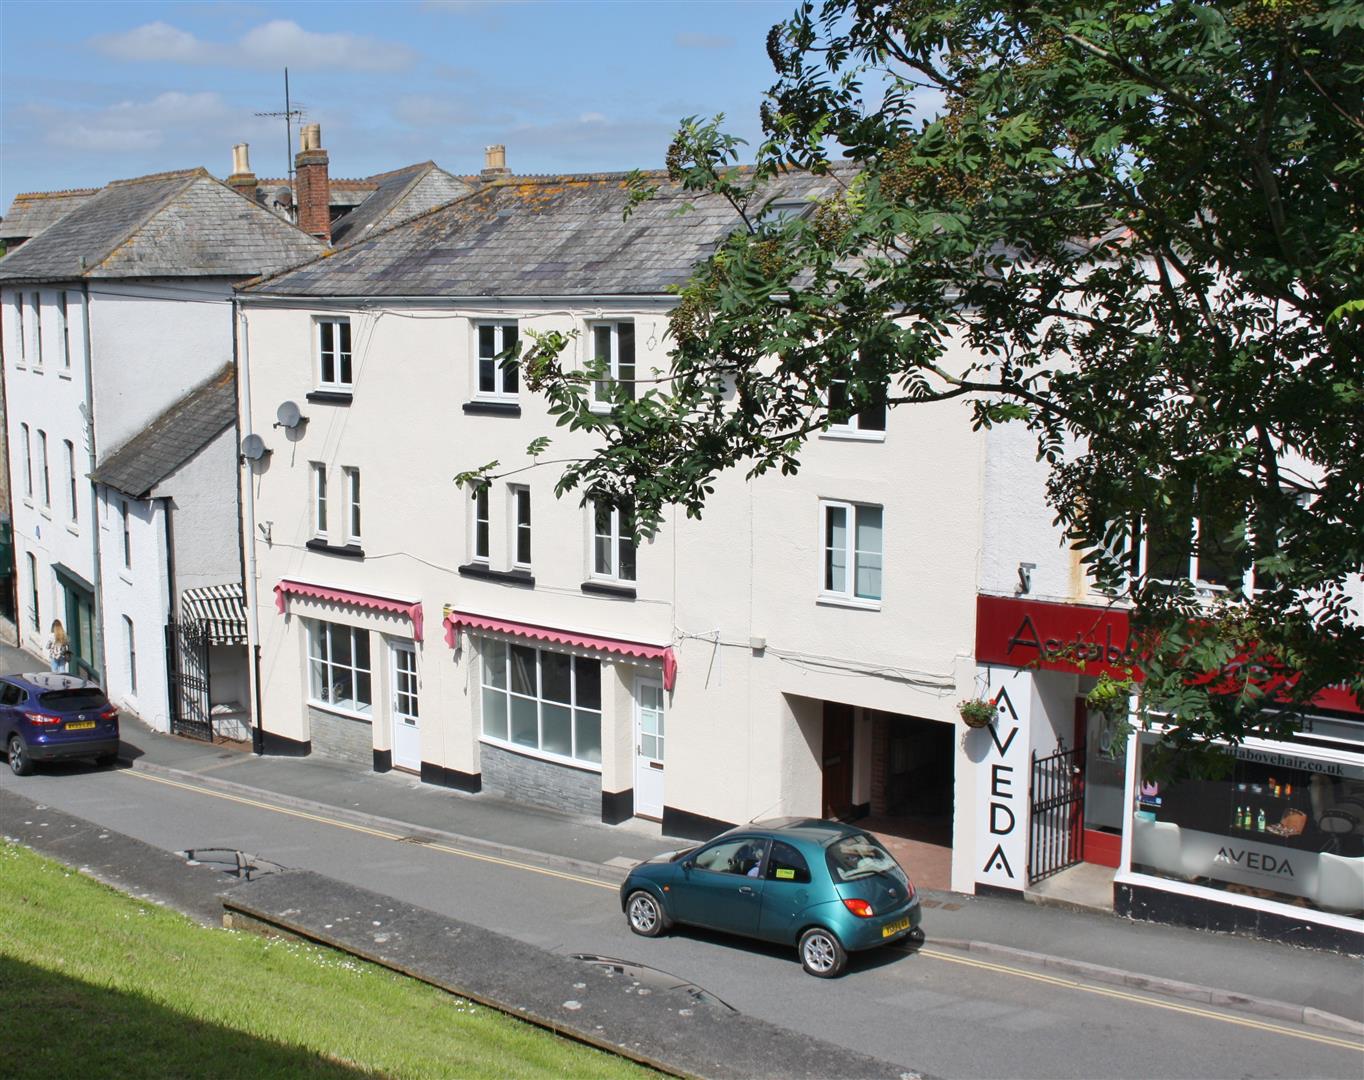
(1002, 783)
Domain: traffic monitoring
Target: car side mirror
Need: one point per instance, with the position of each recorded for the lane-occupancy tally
(687, 864)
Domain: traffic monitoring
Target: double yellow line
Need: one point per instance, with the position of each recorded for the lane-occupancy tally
(931, 953)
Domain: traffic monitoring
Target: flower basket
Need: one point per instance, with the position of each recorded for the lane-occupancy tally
(977, 712)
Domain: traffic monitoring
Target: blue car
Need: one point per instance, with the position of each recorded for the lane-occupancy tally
(822, 886)
(51, 717)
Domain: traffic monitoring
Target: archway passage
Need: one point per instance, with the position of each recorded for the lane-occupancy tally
(912, 773)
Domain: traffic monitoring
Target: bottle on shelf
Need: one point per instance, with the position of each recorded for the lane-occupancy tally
(1260, 821)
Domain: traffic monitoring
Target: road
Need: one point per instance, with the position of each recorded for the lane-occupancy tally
(938, 1011)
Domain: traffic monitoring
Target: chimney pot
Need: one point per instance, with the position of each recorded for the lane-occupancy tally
(494, 162)
(241, 158)
(310, 137)
(242, 180)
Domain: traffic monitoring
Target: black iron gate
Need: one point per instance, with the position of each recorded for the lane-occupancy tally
(187, 643)
(1056, 835)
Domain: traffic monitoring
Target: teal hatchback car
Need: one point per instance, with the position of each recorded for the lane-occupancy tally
(827, 888)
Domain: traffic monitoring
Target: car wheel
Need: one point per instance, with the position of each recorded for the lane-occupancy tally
(645, 914)
(822, 954)
(19, 763)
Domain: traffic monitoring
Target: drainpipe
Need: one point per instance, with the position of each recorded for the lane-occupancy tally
(94, 490)
(171, 613)
(247, 509)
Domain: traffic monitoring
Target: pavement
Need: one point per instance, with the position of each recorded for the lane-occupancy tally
(1286, 982)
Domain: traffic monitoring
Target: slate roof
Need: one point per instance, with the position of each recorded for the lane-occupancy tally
(173, 438)
(179, 224)
(33, 211)
(535, 236)
(401, 195)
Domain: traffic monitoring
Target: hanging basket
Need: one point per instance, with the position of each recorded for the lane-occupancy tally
(977, 713)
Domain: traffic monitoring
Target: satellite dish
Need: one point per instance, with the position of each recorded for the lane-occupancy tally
(253, 448)
(287, 415)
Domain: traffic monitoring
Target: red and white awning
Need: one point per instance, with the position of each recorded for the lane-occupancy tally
(412, 609)
(464, 620)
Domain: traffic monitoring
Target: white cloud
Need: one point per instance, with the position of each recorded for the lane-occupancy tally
(189, 124)
(273, 44)
(592, 118)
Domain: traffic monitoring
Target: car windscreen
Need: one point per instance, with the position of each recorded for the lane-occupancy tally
(73, 700)
(853, 857)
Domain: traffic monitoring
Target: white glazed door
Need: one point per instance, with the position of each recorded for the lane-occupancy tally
(649, 748)
(407, 751)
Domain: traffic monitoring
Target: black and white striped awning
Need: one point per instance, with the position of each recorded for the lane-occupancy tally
(220, 609)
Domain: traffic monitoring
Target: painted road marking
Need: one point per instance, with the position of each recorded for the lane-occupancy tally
(932, 954)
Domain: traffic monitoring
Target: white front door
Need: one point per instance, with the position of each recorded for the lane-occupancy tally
(649, 748)
(407, 750)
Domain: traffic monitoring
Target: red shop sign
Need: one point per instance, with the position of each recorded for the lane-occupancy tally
(1055, 637)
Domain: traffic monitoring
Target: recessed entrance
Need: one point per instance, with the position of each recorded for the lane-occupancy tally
(912, 772)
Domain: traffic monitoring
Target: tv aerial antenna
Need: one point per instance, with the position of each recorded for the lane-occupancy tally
(289, 115)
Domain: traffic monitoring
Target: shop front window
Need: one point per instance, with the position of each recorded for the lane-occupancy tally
(1281, 826)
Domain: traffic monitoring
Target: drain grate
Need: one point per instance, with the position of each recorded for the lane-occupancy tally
(418, 840)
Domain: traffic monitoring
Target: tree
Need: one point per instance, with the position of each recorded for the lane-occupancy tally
(1144, 219)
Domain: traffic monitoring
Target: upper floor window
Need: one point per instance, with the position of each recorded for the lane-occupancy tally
(27, 451)
(613, 541)
(130, 641)
(319, 472)
(47, 479)
(852, 546)
(613, 349)
(19, 326)
(352, 481)
(339, 674)
(845, 418)
(497, 371)
(333, 354)
(520, 500)
(1208, 547)
(71, 479)
(127, 537)
(36, 312)
(479, 540)
(64, 329)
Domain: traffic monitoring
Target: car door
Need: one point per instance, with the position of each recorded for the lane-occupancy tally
(10, 697)
(786, 893)
(717, 887)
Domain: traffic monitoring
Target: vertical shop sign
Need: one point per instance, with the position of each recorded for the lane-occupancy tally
(1001, 750)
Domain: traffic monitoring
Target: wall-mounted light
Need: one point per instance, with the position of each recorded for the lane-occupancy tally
(1025, 570)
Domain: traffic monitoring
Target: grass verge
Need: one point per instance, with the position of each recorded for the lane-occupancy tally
(99, 984)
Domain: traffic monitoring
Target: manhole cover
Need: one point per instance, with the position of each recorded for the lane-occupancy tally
(651, 977)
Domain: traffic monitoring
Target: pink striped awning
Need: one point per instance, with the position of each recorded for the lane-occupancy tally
(409, 608)
(464, 620)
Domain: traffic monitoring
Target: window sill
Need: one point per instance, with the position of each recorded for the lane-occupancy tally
(73, 528)
(827, 600)
(853, 435)
(346, 551)
(609, 588)
(492, 408)
(523, 578)
(64, 375)
(330, 397)
(326, 707)
(540, 755)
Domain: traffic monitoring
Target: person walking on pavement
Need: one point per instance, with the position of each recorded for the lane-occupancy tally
(58, 647)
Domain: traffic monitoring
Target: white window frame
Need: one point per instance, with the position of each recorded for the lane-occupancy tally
(26, 439)
(71, 480)
(47, 476)
(130, 640)
(480, 526)
(852, 555)
(64, 325)
(343, 360)
(506, 380)
(852, 427)
(520, 516)
(35, 619)
(318, 499)
(350, 476)
(613, 569)
(20, 328)
(601, 388)
(404, 702)
(1192, 569)
(488, 686)
(320, 652)
(127, 536)
(36, 299)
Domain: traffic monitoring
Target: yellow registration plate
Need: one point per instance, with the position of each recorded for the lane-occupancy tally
(895, 927)
(80, 725)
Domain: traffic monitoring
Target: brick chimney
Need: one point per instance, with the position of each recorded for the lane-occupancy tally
(313, 188)
(242, 180)
(494, 162)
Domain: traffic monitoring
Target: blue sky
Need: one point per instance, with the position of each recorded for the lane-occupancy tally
(96, 92)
